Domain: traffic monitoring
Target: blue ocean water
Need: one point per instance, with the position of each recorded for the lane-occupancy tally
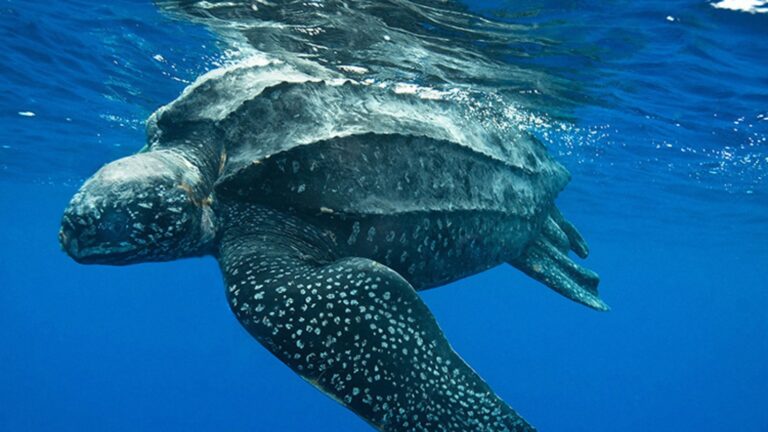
(658, 109)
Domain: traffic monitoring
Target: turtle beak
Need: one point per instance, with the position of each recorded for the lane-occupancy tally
(67, 242)
(84, 239)
(70, 234)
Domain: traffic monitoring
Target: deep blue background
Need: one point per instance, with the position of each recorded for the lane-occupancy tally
(669, 188)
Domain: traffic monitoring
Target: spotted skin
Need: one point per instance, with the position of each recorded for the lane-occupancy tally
(429, 249)
(352, 327)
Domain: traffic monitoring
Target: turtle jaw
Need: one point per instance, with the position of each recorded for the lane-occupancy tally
(114, 255)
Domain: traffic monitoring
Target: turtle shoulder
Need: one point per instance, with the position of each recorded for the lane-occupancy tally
(215, 96)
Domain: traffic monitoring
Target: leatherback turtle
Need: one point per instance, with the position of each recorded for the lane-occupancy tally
(328, 204)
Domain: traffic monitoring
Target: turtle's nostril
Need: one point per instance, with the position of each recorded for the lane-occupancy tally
(68, 239)
(63, 239)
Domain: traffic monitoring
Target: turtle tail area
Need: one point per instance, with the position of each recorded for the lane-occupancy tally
(546, 260)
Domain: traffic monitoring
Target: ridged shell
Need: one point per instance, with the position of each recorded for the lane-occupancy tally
(307, 139)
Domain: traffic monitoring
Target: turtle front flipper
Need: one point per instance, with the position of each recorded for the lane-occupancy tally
(546, 260)
(356, 330)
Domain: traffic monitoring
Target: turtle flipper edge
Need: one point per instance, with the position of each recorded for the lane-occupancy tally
(359, 332)
(546, 260)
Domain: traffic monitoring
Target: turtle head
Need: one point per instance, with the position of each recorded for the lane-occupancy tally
(151, 206)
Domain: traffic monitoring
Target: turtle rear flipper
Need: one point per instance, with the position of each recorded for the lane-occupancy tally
(546, 260)
(576, 242)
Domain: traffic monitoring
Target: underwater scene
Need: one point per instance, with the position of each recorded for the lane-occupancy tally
(395, 215)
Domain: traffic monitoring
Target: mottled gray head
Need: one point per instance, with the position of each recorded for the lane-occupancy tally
(147, 207)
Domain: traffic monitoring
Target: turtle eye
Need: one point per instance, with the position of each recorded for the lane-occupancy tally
(114, 226)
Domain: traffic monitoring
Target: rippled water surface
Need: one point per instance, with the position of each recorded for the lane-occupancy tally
(658, 108)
